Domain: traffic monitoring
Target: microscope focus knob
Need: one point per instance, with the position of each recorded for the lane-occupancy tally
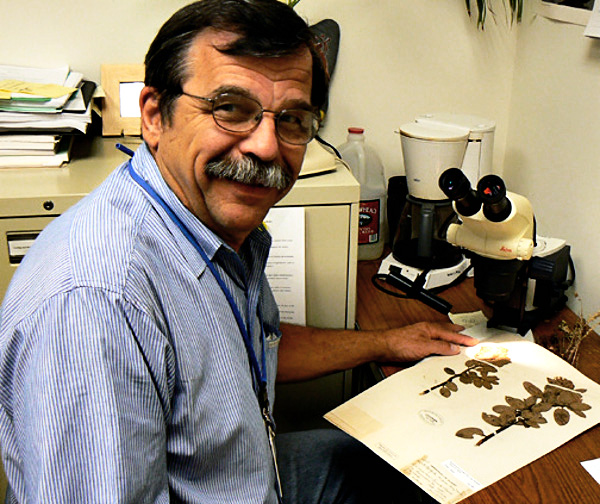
(524, 248)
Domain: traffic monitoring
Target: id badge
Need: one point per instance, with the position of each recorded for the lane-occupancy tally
(270, 426)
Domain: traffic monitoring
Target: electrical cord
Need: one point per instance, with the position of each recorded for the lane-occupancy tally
(327, 144)
(413, 289)
(382, 276)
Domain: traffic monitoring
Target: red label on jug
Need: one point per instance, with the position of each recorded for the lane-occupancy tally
(368, 222)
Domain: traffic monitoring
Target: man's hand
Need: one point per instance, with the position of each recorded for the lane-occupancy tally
(414, 342)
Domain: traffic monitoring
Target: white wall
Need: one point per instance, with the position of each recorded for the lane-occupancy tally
(81, 33)
(553, 145)
(400, 58)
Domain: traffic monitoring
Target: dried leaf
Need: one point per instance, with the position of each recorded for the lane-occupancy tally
(507, 417)
(566, 397)
(530, 416)
(445, 392)
(466, 378)
(449, 371)
(562, 382)
(541, 407)
(486, 368)
(492, 380)
(579, 406)
(552, 389)
(532, 423)
(452, 386)
(514, 402)
(530, 401)
(561, 416)
(579, 413)
(502, 408)
(532, 389)
(550, 394)
(491, 419)
(470, 432)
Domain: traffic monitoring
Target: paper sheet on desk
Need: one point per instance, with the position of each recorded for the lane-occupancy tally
(593, 468)
(468, 319)
(476, 323)
(412, 418)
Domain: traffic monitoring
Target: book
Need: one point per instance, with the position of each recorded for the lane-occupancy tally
(23, 144)
(45, 160)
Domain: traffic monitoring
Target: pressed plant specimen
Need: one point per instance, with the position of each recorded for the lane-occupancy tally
(559, 395)
(479, 371)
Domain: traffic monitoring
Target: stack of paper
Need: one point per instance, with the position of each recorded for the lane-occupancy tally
(40, 111)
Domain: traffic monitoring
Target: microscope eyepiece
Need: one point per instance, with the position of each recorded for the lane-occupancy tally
(492, 192)
(456, 186)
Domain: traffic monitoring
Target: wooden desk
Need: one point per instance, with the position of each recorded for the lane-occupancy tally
(556, 478)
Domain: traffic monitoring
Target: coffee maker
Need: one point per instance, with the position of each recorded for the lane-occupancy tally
(430, 145)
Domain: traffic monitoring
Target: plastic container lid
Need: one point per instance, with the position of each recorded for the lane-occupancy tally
(434, 132)
(356, 131)
(473, 123)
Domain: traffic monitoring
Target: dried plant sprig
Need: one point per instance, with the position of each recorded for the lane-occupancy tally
(477, 373)
(559, 394)
(566, 344)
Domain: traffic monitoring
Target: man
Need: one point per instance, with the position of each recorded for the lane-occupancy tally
(139, 338)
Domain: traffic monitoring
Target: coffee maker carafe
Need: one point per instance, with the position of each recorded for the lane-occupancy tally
(428, 150)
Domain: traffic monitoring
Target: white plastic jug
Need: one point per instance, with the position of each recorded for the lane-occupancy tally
(368, 170)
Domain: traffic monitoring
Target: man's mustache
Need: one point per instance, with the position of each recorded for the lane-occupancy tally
(251, 171)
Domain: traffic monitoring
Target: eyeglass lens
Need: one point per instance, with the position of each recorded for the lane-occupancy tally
(238, 113)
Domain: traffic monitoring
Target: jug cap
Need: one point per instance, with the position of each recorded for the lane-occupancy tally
(356, 131)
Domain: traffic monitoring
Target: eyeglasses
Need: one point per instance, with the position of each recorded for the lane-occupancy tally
(241, 114)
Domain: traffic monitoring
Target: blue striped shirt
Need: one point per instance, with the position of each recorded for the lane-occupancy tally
(123, 374)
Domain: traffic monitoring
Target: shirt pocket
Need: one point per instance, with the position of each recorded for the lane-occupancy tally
(272, 339)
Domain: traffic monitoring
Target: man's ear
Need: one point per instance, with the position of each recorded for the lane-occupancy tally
(152, 126)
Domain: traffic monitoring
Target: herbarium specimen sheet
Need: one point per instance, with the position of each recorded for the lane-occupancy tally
(455, 425)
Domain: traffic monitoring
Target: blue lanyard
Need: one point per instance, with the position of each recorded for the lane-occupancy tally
(260, 375)
(245, 328)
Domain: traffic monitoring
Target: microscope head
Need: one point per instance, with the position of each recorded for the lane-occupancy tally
(494, 223)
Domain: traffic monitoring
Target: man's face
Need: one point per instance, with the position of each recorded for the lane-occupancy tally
(183, 148)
